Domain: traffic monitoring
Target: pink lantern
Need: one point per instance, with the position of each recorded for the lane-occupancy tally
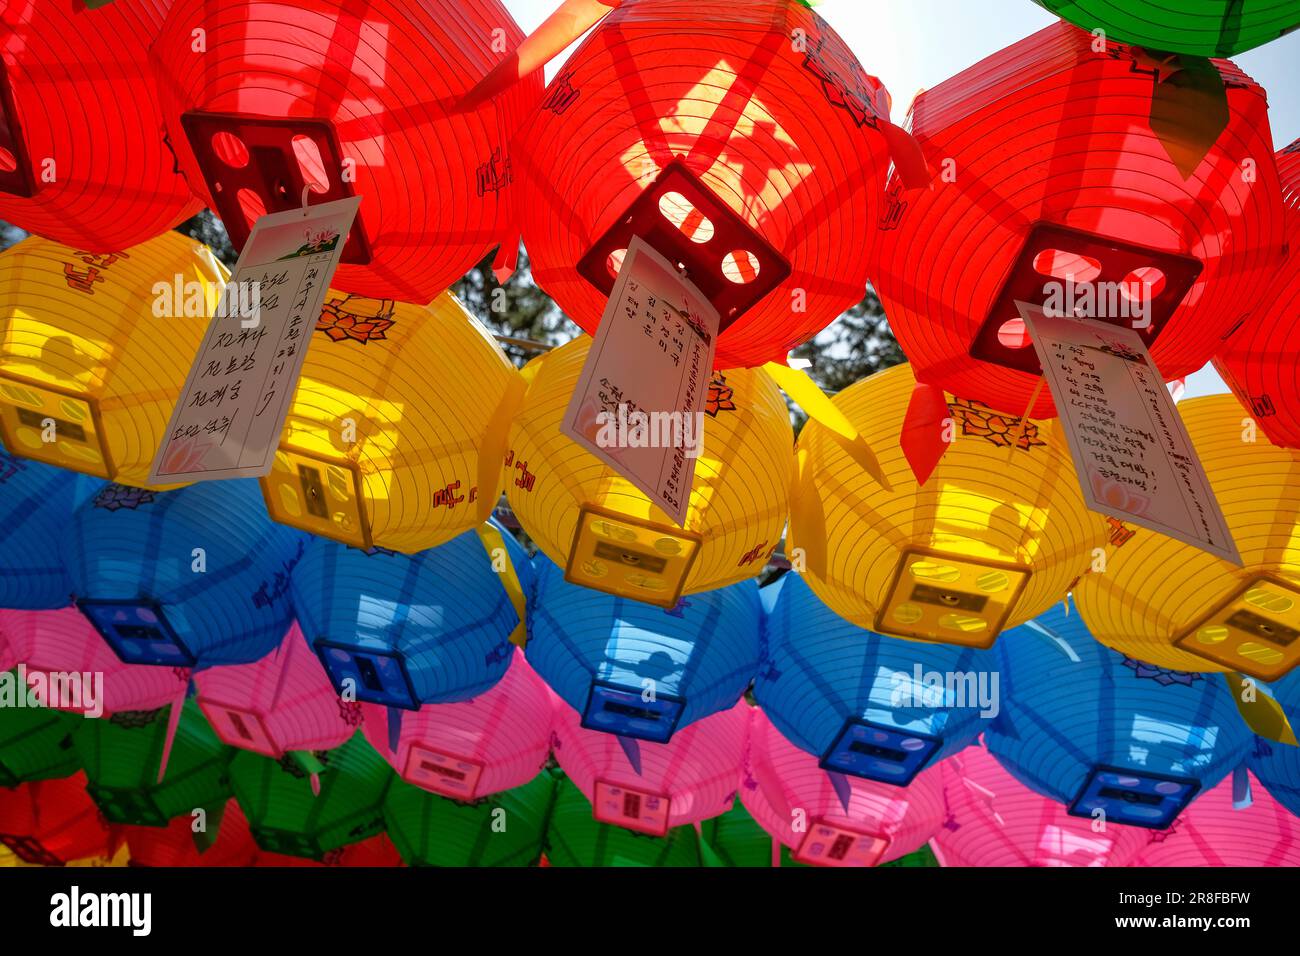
(995, 820)
(280, 703)
(64, 643)
(496, 741)
(649, 787)
(831, 819)
(1211, 832)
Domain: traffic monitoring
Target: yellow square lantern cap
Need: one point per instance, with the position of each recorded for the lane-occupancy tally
(1255, 631)
(53, 425)
(631, 557)
(319, 495)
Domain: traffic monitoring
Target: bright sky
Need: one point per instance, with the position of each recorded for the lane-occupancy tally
(914, 44)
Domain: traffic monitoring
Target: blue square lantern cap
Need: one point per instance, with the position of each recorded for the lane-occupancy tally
(376, 675)
(616, 709)
(137, 631)
(879, 752)
(1134, 798)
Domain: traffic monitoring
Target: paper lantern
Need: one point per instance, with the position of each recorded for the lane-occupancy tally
(35, 742)
(995, 820)
(864, 704)
(288, 816)
(1113, 177)
(1277, 765)
(466, 751)
(1258, 362)
(38, 503)
(351, 101)
(405, 630)
(68, 665)
(377, 851)
(994, 536)
(225, 840)
(1214, 832)
(506, 829)
(571, 503)
(828, 818)
(83, 159)
(651, 788)
(605, 655)
(95, 349)
(122, 755)
(734, 838)
(575, 838)
(178, 578)
(743, 140)
(1109, 736)
(1201, 27)
(280, 703)
(52, 822)
(398, 427)
(1208, 614)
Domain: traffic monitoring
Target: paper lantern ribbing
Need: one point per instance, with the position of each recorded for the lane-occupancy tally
(996, 534)
(198, 575)
(602, 654)
(1107, 734)
(756, 161)
(1214, 832)
(377, 851)
(734, 838)
(68, 665)
(575, 838)
(398, 427)
(288, 816)
(829, 819)
(95, 349)
(1277, 765)
(83, 159)
(38, 504)
(1200, 27)
(280, 703)
(429, 830)
(1212, 615)
(35, 742)
(494, 742)
(1110, 180)
(226, 842)
(995, 820)
(571, 503)
(651, 788)
(52, 822)
(1259, 361)
(122, 755)
(351, 100)
(405, 630)
(868, 705)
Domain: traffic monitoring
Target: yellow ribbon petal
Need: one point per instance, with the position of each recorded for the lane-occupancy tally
(491, 540)
(492, 454)
(1262, 713)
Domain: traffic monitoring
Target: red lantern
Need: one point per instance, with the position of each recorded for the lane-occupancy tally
(53, 822)
(263, 99)
(742, 140)
(1138, 187)
(1259, 361)
(83, 159)
(176, 844)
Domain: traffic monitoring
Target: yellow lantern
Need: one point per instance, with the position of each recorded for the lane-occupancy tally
(1176, 606)
(95, 349)
(609, 536)
(397, 431)
(998, 532)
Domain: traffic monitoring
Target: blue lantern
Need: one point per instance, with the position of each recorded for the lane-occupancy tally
(403, 630)
(1108, 734)
(198, 576)
(36, 505)
(638, 670)
(868, 705)
(1277, 765)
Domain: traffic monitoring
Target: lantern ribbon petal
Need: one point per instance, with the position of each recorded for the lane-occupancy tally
(921, 436)
(495, 440)
(1189, 110)
(492, 543)
(1262, 713)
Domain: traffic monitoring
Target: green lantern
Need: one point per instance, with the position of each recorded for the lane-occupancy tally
(922, 857)
(1197, 27)
(505, 829)
(122, 755)
(36, 744)
(307, 804)
(735, 839)
(575, 838)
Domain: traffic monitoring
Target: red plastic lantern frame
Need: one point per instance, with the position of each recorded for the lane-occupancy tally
(1092, 166)
(83, 158)
(351, 98)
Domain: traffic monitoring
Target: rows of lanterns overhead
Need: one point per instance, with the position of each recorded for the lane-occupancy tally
(751, 143)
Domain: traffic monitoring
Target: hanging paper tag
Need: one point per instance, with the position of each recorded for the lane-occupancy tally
(228, 420)
(639, 404)
(1131, 451)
